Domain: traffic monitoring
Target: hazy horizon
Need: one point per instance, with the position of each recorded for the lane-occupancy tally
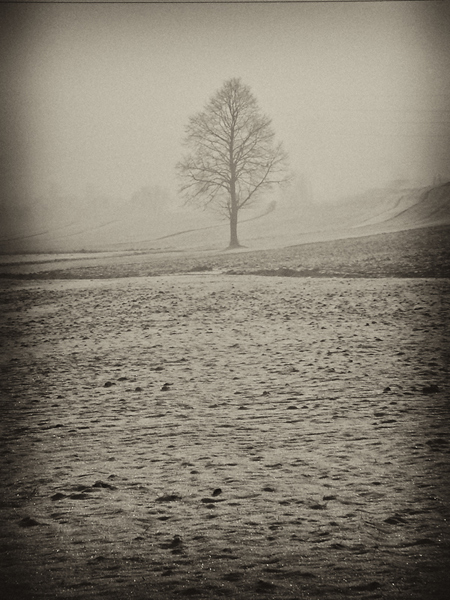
(97, 95)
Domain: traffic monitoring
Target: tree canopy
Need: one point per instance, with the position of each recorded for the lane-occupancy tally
(233, 157)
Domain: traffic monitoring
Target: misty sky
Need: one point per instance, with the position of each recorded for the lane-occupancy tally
(97, 96)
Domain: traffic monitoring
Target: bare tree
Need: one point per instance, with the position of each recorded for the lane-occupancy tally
(232, 158)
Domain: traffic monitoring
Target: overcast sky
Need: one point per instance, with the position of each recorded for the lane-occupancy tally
(97, 96)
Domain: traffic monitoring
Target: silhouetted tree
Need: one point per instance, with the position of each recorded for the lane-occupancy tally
(233, 157)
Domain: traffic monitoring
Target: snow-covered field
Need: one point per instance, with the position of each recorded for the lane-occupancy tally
(215, 436)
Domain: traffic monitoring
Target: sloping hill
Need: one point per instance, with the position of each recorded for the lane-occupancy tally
(118, 227)
(423, 252)
(433, 208)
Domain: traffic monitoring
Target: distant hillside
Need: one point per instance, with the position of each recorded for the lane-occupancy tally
(111, 226)
(433, 208)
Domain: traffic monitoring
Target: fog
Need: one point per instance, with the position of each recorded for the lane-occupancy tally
(96, 96)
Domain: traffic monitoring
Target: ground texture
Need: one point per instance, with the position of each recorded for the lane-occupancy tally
(235, 436)
(415, 253)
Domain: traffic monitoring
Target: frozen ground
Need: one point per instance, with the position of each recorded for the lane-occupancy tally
(213, 436)
(421, 252)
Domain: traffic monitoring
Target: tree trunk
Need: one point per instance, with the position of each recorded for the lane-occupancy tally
(234, 242)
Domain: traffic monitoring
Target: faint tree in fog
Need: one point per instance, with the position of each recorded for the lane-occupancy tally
(233, 157)
(152, 198)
